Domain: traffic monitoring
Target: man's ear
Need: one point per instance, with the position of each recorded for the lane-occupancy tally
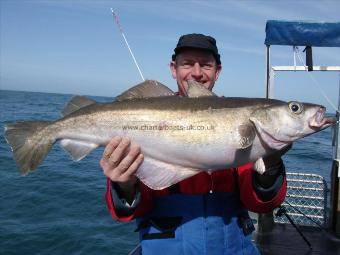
(218, 71)
(173, 69)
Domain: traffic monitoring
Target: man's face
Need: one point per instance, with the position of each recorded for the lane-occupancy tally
(194, 64)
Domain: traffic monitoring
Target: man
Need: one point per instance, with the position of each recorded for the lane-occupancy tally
(206, 213)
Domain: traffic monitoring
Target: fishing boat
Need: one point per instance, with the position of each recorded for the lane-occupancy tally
(304, 223)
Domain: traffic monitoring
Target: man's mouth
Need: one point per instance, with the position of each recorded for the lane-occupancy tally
(199, 81)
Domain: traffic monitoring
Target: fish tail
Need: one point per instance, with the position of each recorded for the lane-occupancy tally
(30, 143)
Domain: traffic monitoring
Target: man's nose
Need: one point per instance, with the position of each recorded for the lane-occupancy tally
(196, 70)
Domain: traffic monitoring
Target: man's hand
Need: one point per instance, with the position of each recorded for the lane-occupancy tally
(275, 158)
(120, 162)
(273, 165)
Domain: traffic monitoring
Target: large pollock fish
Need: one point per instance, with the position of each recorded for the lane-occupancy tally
(179, 136)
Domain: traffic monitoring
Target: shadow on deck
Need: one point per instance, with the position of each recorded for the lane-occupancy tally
(285, 240)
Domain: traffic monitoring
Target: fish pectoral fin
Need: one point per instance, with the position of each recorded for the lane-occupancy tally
(159, 175)
(77, 149)
(146, 89)
(75, 104)
(247, 135)
(196, 89)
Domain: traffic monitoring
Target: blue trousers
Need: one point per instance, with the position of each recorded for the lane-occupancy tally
(196, 224)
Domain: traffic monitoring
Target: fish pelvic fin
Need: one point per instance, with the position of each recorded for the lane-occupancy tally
(76, 103)
(29, 145)
(259, 166)
(159, 175)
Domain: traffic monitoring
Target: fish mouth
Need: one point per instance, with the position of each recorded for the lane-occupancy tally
(319, 121)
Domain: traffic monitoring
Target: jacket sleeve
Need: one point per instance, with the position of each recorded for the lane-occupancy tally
(252, 196)
(116, 208)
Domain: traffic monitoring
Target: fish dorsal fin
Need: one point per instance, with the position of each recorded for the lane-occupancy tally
(196, 89)
(77, 149)
(146, 89)
(75, 104)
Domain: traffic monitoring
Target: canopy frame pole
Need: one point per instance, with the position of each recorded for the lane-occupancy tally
(268, 67)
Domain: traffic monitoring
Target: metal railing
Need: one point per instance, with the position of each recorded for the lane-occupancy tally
(306, 196)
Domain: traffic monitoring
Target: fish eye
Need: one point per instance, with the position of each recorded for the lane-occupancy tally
(295, 107)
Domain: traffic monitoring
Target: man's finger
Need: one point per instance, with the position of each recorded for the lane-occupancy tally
(128, 159)
(119, 151)
(111, 146)
(133, 167)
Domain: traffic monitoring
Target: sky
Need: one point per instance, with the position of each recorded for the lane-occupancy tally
(75, 47)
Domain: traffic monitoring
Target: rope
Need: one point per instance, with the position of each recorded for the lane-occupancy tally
(316, 83)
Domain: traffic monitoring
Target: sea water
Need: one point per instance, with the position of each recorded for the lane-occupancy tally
(60, 208)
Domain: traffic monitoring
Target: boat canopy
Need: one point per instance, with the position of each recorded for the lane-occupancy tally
(302, 33)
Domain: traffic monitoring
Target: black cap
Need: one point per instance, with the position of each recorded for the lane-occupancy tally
(197, 41)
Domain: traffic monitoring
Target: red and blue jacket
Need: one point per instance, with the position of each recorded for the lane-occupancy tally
(241, 180)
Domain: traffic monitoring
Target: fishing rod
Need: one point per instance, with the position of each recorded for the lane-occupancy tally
(282, 211)
(312, 220)
(116, 20)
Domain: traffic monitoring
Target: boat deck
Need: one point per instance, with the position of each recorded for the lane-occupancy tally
(285, 240)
